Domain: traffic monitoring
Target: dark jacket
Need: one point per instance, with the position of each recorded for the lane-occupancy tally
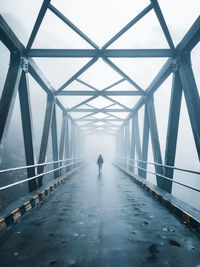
(100, 160)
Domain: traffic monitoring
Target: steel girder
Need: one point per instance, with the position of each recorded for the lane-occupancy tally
(99, 53)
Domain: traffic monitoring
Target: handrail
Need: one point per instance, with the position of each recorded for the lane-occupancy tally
(36, 176)
(36, 165)
(164, 177)
(166, 166)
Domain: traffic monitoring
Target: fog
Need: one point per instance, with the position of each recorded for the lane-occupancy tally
(99, 144)
(21, 15)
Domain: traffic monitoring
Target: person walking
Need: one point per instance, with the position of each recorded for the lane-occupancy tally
(100, 163)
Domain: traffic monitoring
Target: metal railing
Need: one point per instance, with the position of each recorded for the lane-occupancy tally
(126, 161)
(41, 174)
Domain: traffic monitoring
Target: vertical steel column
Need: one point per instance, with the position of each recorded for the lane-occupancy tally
(45, 135)
(54, 141)
(8, 96)
(172, 130)
(137, 141)
(71, 143)
(62, 139)
(145, 142)
(132, 152)
(26, 117)
(155, 141)
(127, 143)
(67, 148)
(191, 97)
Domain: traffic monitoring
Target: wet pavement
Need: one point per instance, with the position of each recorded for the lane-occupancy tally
(95, 220)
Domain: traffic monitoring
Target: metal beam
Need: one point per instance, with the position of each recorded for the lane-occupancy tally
(8, 37)
(128, 26)
(86, 84)
(114, 84)
(162, 23)
(75, 76)
(137, 136)
(191, 97)
(82, 103)
(132, 152)
(93, 113)
(26, 117)
(39, 77)
(191, 38)
(45, 135)
(8, 96)
(67, 149)
(155, 141)
(99, 53)
(162, 75)
(38, 23)
(54, 137)
(94, 119)
(72, 26)
(100, 93)
(96, 110)
(172, 130)
(62, 139)
(118, 70)
(116, 102)
(145, 142)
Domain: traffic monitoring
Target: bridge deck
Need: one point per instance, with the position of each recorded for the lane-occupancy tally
(99, 221)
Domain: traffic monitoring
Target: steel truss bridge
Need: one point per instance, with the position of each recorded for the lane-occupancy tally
(68, 151)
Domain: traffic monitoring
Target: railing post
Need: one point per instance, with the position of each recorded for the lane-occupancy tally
(172, 130)
(191, 97)
(155, 141)
(145, 143)
(26, 117)
(54, 137)
(45, 135)
(8, 96)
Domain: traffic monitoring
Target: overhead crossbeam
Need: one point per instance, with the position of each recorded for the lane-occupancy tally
(111, 53)
(99, 93)
(103, 110)
(94, 119)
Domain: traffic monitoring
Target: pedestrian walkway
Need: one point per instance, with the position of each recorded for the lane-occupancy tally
(99, 221)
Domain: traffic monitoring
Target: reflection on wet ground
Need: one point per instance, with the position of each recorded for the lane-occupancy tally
(99, 220)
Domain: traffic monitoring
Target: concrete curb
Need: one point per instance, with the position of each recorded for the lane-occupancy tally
(17, 213)
(185, 213)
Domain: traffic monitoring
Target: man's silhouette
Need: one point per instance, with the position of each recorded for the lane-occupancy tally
(100, 163)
